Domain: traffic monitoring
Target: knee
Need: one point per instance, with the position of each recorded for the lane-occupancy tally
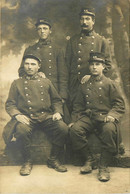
(109, 129)
(76, 130)
(21, 130)
(63, 128)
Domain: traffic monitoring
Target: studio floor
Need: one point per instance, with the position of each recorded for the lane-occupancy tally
(44, 180)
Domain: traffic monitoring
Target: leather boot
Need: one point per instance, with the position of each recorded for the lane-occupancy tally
(104, 174)
(27, 165)
(87, 167)
(26, 168)
(53, 161)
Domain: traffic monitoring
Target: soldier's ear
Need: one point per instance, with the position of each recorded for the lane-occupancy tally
(39, 65)
(103, 65)
(50, 31)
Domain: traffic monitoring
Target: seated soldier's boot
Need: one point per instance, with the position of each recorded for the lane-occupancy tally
(54, 163)
(87, 168)
(26, 168)
(103, 174)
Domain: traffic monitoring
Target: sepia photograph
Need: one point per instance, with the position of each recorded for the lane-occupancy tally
(64, 97)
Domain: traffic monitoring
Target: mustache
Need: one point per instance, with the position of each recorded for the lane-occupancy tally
(84, 25)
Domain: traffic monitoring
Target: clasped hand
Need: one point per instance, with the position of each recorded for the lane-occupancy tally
(109, 119)
(56, 117)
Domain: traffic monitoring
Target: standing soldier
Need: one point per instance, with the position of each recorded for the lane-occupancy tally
(52, 59)
(78, 49)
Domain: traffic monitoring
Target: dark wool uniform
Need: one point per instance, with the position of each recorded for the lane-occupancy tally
(77, 55)
(96, 99)
(52, 64)
(36, 98)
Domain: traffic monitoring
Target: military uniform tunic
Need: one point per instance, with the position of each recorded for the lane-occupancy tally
(77, 56)
(36, 98)
(52, 64)
(96, 99)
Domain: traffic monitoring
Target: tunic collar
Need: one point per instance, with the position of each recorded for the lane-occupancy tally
(96, 78)
(90, 33)
(44, 42)
(34, 77)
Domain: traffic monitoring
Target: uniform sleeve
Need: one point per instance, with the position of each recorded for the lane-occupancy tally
(62, 75)
(56, 102)
(117, 102)
(106, 51)
(11, 103)
(79, 104)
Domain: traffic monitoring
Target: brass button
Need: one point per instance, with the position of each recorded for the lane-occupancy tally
(87, 96)
(79, 44)
(42, 99)
(50, 46)
(92, 42)
(81, 37)
(31, 115)
(49, 60)
(26, 94)
(41, 92)
(49, 73)
(79, 73)
(41, 86)
(100, 88)
(26, 88)
(49, 67)
(25, 82)
(87, 102)
(79, 65)
(30, 108)
(29, 101)
(79, 59)
(50, 53)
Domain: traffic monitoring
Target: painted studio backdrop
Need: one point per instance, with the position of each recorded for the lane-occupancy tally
(18, 19)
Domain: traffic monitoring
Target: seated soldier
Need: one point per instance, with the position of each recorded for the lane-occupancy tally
(98, 108)
(33, 102)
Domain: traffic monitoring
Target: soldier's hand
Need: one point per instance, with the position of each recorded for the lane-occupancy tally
(70, 125)
(23, 119)
(85, 79)
(56, 117)
(41, 74)
(109, 119)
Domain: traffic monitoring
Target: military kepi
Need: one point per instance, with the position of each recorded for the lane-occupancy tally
(87, 11)
(96, 57)
(43, 21)
(32, 56)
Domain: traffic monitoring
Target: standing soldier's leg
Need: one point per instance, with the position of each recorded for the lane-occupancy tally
(23, 134)
(108, 137)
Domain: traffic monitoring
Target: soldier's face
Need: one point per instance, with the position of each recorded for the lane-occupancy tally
(86, 22)
(43, 31)
(96, 68)
(31, 66)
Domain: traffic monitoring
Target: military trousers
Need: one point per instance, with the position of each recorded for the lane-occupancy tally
(106, 132)
(57, 131)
